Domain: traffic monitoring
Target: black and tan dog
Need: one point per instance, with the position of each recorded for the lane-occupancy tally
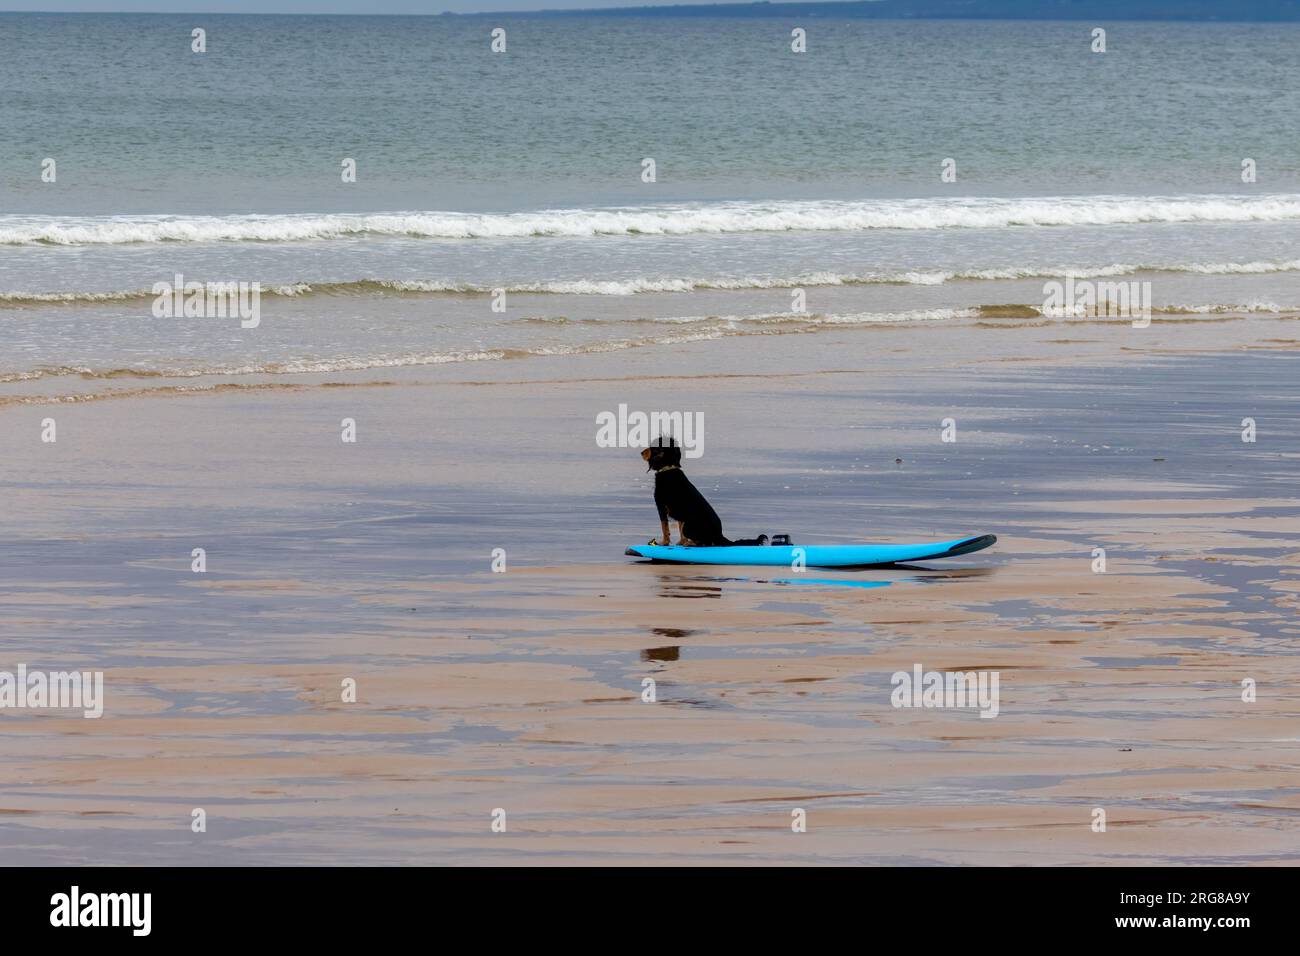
(678, 499)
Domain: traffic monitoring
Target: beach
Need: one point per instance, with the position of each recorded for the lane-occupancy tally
(522, 691)
(314, 546)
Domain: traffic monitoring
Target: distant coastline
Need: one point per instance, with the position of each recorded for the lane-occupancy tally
(1239, 11)
(1193, 11)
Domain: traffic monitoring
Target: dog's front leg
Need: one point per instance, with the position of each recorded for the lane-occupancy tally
(666, 538)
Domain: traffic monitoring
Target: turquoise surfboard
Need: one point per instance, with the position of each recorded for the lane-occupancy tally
(814, 555)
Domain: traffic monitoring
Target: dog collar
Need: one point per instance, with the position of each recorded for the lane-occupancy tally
(668, 468)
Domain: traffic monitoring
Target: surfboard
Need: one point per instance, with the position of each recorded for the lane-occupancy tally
(814, 555)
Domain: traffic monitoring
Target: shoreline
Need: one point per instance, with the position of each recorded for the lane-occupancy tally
(1052, 342)
(523, 690)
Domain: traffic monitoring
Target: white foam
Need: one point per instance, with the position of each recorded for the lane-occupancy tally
(1244, 308)
(671, 219)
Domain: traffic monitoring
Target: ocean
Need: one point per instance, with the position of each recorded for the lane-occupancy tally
(500, 208)
(353, 568)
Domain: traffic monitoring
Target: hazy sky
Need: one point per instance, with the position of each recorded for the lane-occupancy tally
(321, 6)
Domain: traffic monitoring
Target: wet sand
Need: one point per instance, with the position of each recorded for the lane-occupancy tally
(523, 690)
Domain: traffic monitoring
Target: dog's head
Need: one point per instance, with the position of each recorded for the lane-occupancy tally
(662, 453)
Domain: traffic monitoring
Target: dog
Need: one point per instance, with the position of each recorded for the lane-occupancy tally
(676, 498)
(698, 525)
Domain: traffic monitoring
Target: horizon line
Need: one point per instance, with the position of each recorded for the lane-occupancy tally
(1156, 11)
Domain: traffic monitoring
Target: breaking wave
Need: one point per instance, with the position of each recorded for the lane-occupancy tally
(665, 284)
(659, 220)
